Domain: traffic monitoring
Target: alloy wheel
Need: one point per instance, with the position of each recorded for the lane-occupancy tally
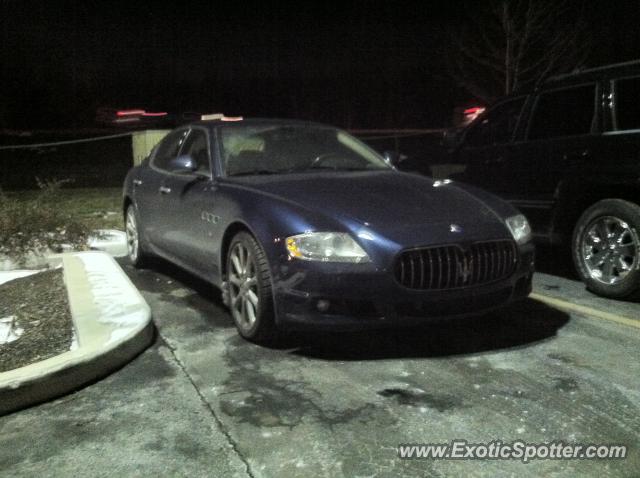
(133, 241)
(609, 249)
(243, 286)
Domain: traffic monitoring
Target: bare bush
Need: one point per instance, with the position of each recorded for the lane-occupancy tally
(510, 45)
(37, 224)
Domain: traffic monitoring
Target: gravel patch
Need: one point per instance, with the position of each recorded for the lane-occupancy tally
(40, 306)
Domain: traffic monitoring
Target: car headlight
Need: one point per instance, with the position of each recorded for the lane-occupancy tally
(326, 247)
(519, 227)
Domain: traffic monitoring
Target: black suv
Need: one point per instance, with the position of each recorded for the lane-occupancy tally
(568, 156)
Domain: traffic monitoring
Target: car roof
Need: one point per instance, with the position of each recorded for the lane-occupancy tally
(256, 122)
(605, 72)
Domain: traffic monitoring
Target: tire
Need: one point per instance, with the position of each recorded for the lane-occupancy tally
(135, 245)
(249, 288)
(606, 248)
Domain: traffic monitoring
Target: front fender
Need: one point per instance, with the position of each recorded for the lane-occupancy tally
(269, 219)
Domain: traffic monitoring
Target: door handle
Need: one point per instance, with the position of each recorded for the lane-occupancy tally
(164, 190)
(137, 182)
(577, 155)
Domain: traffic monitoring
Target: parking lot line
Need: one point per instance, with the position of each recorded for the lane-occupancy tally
(588, 311)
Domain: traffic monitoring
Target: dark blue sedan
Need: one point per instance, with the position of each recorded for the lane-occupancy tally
(301, 224)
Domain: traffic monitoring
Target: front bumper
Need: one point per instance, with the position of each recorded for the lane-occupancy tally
(341, 297)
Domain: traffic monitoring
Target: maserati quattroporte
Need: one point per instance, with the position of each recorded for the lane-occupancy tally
(301, 224)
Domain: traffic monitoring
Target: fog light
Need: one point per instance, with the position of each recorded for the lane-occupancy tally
(323, 305)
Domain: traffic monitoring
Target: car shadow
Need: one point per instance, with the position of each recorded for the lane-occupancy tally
(555, 261)
(517, 326)
(173, 273)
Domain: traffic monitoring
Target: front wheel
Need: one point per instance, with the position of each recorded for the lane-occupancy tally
(249, 282)
(606, 248)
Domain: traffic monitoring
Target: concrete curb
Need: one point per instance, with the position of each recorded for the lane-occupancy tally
(112, 325)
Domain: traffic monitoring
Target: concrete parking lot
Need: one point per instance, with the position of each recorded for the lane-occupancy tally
(203, 402)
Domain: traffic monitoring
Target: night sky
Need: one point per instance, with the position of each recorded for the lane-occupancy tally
(358, 64)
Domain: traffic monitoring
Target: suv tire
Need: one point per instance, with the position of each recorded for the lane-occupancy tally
(606, 248)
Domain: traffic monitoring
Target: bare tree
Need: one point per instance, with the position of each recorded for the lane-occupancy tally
(509, 45)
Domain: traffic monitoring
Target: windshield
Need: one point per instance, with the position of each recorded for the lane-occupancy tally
(281, 149)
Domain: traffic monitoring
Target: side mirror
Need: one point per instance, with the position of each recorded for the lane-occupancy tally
(393, 158)
(183, 164)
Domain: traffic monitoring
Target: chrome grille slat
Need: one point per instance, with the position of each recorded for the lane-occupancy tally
(452, 266)
(439, 251)
(430, 269)
(413, 271)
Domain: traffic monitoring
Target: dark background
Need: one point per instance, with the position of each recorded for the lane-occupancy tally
(353, 64)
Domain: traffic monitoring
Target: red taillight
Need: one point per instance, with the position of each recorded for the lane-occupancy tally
(129, 112)
(476, 110)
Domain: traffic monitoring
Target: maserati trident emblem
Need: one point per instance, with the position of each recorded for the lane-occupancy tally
(464, 270)
(454, 228)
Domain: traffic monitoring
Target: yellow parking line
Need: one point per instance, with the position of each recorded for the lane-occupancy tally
(581, 309)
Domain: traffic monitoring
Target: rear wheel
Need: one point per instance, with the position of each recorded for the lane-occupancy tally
(606, 248)
(135, 247)
(249, 282)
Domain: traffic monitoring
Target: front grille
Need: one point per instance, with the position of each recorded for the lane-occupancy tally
(454, 266)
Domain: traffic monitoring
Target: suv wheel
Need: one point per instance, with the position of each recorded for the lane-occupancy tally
(606, 248)
(249, 283)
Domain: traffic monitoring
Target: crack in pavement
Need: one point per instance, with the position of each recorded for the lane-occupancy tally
(225, 431)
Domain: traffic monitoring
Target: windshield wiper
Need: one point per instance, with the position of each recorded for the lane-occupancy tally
(327, 168)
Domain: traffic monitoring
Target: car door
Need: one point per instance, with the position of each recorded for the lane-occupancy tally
(150, 189)
(192, 220)
(561, 142)
(486, 147)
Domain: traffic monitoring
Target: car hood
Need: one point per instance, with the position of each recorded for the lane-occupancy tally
(402, 207)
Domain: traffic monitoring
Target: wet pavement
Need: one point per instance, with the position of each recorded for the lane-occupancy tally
(203, 402)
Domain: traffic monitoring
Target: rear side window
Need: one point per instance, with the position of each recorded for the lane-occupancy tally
(169, 148)
(566, 112)
(627, 104)
(497, 126)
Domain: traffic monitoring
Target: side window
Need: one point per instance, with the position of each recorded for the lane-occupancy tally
(566, 112)
(497, 126)
(196, 147)
(627, 104)
(168, 148)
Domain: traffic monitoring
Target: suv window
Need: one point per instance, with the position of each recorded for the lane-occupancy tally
(168, 148)
(566, 112)
(497, 126)
(627, 104)
(196, 147)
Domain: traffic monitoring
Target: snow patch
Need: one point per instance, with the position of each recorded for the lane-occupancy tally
(111, 241)
(6, 276)
(9, 330)
(74, 340)
(117, 301)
